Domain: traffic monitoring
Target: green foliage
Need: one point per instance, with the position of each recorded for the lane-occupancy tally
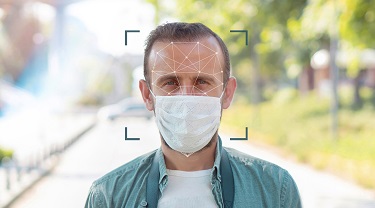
(357, 22)
(352, 21)
(302, 128)
(5, 153)
(285, 95)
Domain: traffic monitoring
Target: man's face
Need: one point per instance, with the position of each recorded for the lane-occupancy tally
(187, 68)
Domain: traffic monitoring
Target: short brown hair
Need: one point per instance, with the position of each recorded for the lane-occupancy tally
(181, 31)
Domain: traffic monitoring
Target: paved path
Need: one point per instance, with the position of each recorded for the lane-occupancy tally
(104, 148)
(36, 139)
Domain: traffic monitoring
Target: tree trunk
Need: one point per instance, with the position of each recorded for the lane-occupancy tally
(357, 84)
(255, 77)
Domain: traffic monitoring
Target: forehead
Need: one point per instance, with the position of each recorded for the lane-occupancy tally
(202, 55)
(205, 44)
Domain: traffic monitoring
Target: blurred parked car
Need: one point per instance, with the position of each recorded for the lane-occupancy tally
(128, 107)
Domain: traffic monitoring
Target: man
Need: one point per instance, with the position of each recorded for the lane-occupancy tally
(187, 84)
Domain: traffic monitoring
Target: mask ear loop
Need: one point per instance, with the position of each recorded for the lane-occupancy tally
(225, 86)
(148, 86)
(221, 96)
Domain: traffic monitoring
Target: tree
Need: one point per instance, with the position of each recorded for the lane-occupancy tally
(354, 20)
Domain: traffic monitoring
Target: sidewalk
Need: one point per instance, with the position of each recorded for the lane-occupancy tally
(37, 141)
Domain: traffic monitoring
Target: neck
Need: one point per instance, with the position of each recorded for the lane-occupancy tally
(201, 160)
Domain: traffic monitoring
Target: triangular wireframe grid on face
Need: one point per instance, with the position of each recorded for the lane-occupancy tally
(194, 58)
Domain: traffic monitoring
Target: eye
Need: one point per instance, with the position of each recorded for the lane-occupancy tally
(170, 83)
(200, 81)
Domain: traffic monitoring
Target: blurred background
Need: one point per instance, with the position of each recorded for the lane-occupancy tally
(69, 86)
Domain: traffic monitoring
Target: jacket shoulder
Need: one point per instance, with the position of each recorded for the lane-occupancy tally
(263, 179)
(122, 185)
(248, 160)
(126, 169)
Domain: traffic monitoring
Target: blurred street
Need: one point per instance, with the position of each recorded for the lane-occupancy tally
(104, 148)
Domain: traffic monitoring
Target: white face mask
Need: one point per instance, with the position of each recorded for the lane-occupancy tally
(187, 123)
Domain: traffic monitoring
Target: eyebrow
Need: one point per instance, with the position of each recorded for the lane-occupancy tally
(209, 78)
(163, 78)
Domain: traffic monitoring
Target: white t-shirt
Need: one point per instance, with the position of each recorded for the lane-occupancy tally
(188, 189)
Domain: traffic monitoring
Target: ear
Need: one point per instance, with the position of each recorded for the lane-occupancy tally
(229, 92)
(146, 95)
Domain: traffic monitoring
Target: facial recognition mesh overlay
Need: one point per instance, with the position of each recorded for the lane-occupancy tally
(198, 64)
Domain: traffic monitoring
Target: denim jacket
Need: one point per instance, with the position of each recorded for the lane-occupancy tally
(257, 183)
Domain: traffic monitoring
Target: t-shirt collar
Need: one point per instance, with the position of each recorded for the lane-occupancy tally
(215, 172)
